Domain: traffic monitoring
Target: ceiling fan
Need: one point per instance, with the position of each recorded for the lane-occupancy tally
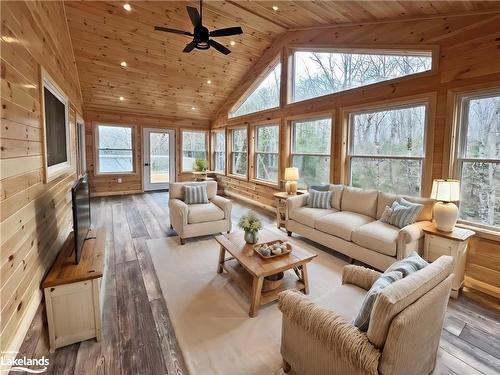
(201, 35)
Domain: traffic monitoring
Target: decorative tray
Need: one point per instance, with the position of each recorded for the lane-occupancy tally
(260, 248)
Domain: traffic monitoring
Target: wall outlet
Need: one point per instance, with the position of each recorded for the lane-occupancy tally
(119, 180)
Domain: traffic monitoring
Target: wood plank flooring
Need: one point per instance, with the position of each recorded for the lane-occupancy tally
(138, 337)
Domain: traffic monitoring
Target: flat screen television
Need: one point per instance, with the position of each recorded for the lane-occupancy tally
(80, 195)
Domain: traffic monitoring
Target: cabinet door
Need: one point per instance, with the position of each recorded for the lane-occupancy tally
(437, 246)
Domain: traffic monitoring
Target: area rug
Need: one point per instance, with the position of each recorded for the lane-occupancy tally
(210, 313)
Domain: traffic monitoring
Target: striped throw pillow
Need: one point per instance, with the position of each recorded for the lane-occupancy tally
(412, 263)
(319, 199)
(404, 213)
(195, 194)
(362, 320)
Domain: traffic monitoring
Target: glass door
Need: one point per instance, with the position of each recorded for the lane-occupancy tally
(158, 158)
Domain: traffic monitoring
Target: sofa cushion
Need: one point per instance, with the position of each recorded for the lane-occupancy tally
(383, 200)
(341, 224)
(345, 300)
(202, 213)
(308, 215)
(361, 201)
(378, 236)
(337, 191)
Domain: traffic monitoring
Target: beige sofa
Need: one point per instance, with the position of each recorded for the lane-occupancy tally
(198, 219)
(352, 226)
(403, 336)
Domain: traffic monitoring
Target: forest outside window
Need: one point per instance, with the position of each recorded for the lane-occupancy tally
(239, 152)
(219, 151)
(478, 159)
(266, 153)
(265, 96)
(318, 73)
(115, 153)
(387, 149)
(311, 144)
(194, 147)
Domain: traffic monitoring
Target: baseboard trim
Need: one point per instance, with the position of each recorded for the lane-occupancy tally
(110, 193)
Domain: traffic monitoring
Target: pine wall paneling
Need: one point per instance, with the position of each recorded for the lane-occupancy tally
(35, 217)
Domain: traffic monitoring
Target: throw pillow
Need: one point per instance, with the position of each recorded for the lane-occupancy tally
(386, 215)
(319, 187)
(319, 199)
(195, 194)
(362, 320)
(412, 263)
(404, 213)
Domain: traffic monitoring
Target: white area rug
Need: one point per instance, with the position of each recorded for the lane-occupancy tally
(210, 313)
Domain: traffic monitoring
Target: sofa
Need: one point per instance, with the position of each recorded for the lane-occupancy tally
(352, 225)
(195, 220)
(403, 335)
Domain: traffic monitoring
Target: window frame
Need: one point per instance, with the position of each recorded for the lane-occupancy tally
(81, 153)
(277, 123)
(56, 170)
(214, 150)
(207, 149)
(97, 172)
(230, 148)
(426, 160)
(461, 125)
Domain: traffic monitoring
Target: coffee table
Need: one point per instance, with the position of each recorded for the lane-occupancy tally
(248, 269)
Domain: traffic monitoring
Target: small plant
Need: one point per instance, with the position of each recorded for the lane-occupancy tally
(200, 165)
(250, 222)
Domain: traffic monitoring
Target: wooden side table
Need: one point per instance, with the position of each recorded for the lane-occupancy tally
(454, 244)
(281, 198)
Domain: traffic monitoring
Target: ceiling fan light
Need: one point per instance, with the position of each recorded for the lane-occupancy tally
(202, 45)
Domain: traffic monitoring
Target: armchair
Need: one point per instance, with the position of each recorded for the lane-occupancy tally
(195, 220)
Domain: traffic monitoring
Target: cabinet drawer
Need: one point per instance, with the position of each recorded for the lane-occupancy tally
(437, 246)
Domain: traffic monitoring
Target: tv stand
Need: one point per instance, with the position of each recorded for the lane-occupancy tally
(73, 292)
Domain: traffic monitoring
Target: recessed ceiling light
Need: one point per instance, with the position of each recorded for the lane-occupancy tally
(127, 7)
(275, 8)
(9, 39)
(122, 98)
(209, 82)
(124, 64)
(193, 108)
(232, 42)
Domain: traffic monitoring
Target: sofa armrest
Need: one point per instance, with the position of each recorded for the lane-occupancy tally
(331, 330)
(224, 204)
(359, 276)
(296, 202)
(409, 234)
(178, 214)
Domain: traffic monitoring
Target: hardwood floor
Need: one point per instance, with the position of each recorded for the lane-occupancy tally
(138, 337)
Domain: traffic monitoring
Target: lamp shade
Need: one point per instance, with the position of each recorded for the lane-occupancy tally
(291, 174)
(446, 190)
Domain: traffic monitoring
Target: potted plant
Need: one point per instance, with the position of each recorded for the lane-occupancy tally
(251, 224)
(199, 165)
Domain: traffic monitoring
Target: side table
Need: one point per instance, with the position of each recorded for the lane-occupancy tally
(281, 198)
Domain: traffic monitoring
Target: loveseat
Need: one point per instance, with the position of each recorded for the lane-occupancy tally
(352, 225)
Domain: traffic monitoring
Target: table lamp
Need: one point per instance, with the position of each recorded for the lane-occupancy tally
(445, 211)
(291, 177)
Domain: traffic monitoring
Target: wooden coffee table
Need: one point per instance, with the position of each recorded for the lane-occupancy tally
(248, 269)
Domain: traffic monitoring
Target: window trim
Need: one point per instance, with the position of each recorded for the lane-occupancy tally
(213, 150)
(56, 170)
(81, 144)
(275, 122)
(460, 134)
(181, 156)
(229, 147)
(96, 150)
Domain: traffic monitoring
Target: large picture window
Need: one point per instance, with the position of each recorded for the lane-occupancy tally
(387, 149)
(318, 73)
(115, 153)
(219, 151)
(311, 142)
(239, 152)
(479, 159)
(265, 96)
(266, 152)
(194, 146)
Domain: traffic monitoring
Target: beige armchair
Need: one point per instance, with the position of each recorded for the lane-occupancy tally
(195, 220)
(403, 335)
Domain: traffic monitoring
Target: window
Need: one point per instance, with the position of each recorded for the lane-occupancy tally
(479, 159)
(239, 152)
(265, 96)
(387, 149)
(266, 153)
(57, 133)
(220, 151)
(194, 146)
(115, 153)
(311, 141)
(317, 73)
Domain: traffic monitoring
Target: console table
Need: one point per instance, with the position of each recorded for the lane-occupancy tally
(73, 292)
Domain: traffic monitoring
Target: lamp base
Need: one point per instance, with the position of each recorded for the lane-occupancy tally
(291, 187)
(445, 215)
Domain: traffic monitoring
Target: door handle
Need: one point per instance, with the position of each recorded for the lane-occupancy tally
(146, 164)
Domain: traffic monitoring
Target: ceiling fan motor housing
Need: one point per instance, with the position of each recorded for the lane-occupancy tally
(201, 36)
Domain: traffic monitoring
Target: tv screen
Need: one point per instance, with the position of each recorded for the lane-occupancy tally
(81, 214)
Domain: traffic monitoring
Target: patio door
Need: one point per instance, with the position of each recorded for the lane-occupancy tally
(158, 158)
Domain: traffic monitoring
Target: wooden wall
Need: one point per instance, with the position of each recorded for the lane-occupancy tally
(131, 183)
(35, 217)
(469, 57)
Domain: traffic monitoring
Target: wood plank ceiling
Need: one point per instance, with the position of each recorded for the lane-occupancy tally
(160, 80)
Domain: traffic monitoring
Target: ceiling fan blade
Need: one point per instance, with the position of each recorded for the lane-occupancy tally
(219, 47)
(194, 16)
(168, 30)
(189, 47)
(227, 31)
